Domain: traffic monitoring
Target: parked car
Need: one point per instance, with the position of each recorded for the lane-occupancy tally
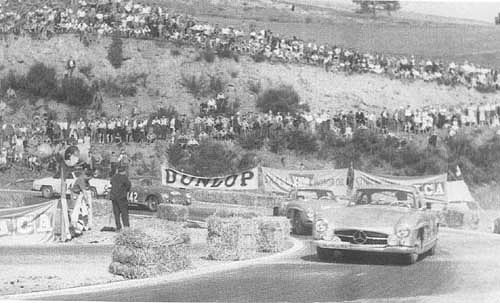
(379, 219)
(462, 214)
(51, 186)
(303, 203)
(146, 193)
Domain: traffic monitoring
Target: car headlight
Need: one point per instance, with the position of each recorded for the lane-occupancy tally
(310, 213)
(402, 231)
(321, 226)
(393, 240)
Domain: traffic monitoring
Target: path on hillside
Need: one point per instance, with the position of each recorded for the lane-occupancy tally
(463, 262)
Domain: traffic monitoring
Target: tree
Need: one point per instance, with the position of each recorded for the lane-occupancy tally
(370, 6)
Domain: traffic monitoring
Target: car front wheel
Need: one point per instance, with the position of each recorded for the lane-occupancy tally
(47, 192)
(297, 224)
(152, 203)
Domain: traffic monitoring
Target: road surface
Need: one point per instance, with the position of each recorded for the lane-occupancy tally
(463, 262)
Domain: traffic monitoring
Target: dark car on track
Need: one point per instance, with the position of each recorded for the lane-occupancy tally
(148, 194)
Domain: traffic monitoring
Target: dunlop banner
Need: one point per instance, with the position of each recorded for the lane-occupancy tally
(247, 180)
(432, 187)
(28, 225)
(284, 180)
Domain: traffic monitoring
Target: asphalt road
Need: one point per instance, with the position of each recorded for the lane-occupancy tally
(463, 262)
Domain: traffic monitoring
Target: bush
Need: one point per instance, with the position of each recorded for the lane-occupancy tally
(251, 140)
(14, 81)
(259, 57)
(86, 70)
(208, 55)
(175, 52)
(117, 87)
(216, 84)
(210, 158)
(74, 91)
(255, 87)
(115, 52)
(196, 85)
(281, 99)
(301, 142)
(41, 80)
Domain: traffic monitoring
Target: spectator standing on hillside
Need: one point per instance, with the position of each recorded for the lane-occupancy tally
(70, 66)
(120, 186)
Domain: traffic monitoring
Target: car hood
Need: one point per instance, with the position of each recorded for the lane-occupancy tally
(46, 180)
(382, 218)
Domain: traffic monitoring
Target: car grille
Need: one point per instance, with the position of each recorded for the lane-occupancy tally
(356, 236)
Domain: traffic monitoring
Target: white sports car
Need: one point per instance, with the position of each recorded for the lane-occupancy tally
(51, 186)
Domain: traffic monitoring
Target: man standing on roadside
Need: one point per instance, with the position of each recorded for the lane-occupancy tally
(120, 186)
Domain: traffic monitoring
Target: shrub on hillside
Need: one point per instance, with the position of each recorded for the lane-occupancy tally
(115, 52)
(259, 57)
(175, 52)
(210, 158)
(13, 80)
(301, 142)
(216, 84)
(41, 80)
(74, 91)
(255, 87)
(86, 70)
(168, 112)
(208, 55)
(196, 85)
(280, 99)
(117, 87)
(251, 140)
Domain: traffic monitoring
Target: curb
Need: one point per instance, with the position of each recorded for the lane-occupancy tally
(174, 277)
(469, 232)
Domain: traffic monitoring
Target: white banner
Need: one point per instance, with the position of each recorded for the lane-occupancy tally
(247, 180)
(284, 180)
(433, 187)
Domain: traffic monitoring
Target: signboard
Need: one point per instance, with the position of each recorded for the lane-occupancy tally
(246, 180)
(284, 180)
(432, 187)
(28, 225)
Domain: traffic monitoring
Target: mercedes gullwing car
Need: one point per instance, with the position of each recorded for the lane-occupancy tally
(380, 219)
(303, 204)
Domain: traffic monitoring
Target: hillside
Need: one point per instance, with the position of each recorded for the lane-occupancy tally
(163, 72)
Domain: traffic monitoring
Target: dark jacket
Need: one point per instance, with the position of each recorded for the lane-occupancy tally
(120, 186)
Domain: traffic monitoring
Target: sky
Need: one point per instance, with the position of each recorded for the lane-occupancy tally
(477, 10)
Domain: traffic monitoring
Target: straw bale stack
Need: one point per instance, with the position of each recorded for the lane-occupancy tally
(231, 238)
(173, 212)
(155, 250)
(273, 233)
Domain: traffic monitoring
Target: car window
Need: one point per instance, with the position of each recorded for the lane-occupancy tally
(307, 194)
(385, 197)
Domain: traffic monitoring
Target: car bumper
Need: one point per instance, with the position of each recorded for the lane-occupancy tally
(365, 248)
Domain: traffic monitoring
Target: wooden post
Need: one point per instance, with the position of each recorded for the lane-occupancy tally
(65, 235)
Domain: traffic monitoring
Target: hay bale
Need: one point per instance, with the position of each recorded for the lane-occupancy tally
(232, 238)
(173, 212)
(154, 250)
(101, 207)
(273, 233)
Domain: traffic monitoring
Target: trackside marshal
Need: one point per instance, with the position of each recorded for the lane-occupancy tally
(246, 180)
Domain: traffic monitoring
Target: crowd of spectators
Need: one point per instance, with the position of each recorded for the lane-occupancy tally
(133, 19)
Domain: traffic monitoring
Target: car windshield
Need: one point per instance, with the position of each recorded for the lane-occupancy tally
(384, 197)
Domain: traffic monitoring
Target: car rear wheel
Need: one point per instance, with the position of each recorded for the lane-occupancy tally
(297, 224)
(152, 203)
(47, 192)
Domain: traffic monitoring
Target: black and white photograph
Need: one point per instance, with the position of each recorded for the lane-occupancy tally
(250, 151)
